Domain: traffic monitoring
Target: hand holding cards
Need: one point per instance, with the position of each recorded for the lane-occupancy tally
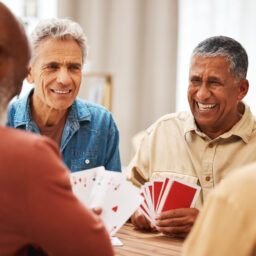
(109, 190)
(168, 194)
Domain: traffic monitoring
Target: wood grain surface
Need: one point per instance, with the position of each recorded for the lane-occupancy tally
(145, 243)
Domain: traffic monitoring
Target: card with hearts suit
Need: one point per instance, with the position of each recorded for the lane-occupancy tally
(109, 190)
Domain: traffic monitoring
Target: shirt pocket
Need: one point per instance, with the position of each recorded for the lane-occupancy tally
(83, 161)
(175, 175)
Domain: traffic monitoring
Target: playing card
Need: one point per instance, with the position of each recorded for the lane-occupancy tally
(144, 208)
(83, 181)
(165, 183)
(178, 194)
(157, 187)
(119, 205)
(116, 242)
(105, 181)
(149, 199)
(164, 195)
(109, 190)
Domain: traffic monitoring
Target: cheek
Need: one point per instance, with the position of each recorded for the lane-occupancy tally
(44, 80)
(191, 92)
(77, 81)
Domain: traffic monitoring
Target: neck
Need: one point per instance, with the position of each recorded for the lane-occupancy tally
(44, 115)
(215, 131)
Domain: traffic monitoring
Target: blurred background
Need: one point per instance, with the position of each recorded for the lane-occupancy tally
(145, 45)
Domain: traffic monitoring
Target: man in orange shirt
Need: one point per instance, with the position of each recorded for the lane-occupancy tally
(38, 211)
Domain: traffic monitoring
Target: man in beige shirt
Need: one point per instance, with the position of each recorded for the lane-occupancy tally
(227, 224)
(203, 146)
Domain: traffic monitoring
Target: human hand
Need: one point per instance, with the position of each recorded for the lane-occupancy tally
(176, 222)
(140, 221)
(97, 210)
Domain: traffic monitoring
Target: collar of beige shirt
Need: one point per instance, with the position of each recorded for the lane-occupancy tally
(243, 128)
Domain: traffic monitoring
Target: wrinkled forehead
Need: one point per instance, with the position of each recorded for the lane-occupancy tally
(218, 63)
(58, 50)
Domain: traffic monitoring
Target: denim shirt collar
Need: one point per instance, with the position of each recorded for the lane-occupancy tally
(23, 114)
(78, 113)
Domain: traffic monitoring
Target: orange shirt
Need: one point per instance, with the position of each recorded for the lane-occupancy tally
(37, 205)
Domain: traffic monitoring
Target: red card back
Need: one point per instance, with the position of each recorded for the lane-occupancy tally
(157, 186)
(179, 196)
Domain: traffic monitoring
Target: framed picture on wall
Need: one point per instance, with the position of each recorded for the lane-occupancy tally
(97, 88)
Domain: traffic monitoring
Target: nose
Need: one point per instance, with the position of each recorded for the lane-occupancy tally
(64, 77)
(203, 92)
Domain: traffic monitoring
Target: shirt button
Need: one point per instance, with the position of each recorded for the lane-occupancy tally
(210, 145)
(87, 161)
(207, 178)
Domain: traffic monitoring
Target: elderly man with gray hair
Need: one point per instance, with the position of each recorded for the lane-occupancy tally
(205, 145)
(85, 132)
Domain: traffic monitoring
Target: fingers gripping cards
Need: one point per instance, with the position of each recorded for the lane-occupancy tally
(168, 194)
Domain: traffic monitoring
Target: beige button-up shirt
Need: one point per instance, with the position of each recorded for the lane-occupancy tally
(227, 224)
(175, 147)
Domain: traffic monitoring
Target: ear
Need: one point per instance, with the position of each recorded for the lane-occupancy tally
(243, 89)
(30, 77)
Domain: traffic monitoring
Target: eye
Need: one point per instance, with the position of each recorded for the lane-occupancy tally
(52, 66)
(74, 67)
(195, 80)
(215, 82)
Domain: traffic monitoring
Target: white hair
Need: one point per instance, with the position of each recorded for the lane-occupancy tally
(62, 29)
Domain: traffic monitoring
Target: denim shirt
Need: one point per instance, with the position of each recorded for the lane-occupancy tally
(90, 136)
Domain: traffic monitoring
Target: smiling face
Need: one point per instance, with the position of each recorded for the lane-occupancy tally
(213, 94)
(56, 72)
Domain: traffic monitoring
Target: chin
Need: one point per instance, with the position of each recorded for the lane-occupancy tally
(61, 107)
(204, 121)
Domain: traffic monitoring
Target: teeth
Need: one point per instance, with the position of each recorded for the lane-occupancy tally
(206, 106)
(61, 92)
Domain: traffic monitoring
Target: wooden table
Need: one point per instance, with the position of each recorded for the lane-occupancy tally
(146, 243)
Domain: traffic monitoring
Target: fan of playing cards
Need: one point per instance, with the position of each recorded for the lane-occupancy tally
(109, 190)
(168, 194)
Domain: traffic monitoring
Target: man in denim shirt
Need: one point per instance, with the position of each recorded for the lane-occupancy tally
(85, 132)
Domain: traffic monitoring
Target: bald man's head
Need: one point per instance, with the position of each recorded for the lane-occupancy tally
(14, 55)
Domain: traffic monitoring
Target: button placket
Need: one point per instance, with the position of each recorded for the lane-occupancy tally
(207, 165)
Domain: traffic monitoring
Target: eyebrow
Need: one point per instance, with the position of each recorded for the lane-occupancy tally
(50, 63)
(74, 63)
(57, 64)
(195, 76)
(214, 78)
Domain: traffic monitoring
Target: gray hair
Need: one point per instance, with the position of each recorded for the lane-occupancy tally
(62, 29)
(227, 47)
